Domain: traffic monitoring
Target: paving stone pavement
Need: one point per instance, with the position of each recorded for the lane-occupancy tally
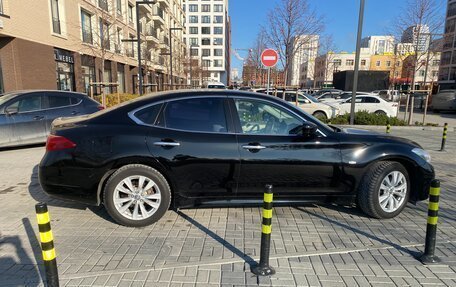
(311, 245)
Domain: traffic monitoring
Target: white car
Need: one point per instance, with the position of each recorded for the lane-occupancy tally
(341, 97)
(371, 104)
(310, 105)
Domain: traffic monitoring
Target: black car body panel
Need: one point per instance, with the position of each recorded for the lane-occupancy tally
(215, 168)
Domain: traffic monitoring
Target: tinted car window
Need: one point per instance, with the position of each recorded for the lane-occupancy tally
(75, 101)
(28, 104)
(204, 115)
(59, 101)
(149, 114)
(370, 100)
(258, 117)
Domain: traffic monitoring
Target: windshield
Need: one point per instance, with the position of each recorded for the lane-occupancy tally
(6, 97)
(345, 96)
(312, 99)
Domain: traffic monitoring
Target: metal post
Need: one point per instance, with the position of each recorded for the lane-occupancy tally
(191, 83)
(406, 106)
(263, 268)
(269, 76)
(425, 109)
(412, 104)
(357, 58)
(47, 244)
(171, 57)
(445, 130)
(138, 38)
(431, 229)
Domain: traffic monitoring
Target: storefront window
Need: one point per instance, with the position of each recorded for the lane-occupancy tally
(64, 70)
(107, 78)
(120, 79)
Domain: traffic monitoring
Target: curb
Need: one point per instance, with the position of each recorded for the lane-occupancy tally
(404, 128)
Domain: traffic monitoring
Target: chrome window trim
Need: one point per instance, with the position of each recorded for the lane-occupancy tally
(132, 116)
(47, 109)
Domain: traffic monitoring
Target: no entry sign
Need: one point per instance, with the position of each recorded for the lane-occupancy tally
(269, 58)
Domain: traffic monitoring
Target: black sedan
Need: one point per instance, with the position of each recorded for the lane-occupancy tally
(26, 116)
(219, 148)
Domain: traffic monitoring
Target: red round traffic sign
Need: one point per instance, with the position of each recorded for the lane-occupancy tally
(269, 58)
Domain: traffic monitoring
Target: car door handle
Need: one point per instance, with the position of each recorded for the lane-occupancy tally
(38, 118)
(253, 147)
(167, 144)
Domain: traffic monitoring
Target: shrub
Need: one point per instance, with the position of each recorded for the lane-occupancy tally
(115, 99)
(366, 118)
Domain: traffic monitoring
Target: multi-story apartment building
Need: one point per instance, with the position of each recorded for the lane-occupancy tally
(417, 35)
(305, 48)
(71, 45)
(388, 62)
(447, 71)
(326, 65)
(421, 78)
(378, 44)
(208, 38)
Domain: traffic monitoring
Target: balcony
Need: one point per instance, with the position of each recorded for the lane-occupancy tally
(130, 53)
(159, 16)
(103, 4)
(163, 3)
(117, 48)
(160, 63)
(151, 35)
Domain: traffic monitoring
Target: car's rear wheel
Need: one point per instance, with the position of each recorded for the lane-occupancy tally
(380, 112)
(384, 190)
(320, 115)
(137, 195)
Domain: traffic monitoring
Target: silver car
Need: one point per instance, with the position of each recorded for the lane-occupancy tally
(444, 101)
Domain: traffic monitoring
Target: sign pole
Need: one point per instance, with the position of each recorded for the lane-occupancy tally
(269, 76)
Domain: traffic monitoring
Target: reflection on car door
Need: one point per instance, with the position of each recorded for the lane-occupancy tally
(61, 105)
(6, 130)
(197, 144)
(29, 121)
(272, 154)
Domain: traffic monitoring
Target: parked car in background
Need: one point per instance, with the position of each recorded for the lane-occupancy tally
(309, 104)
(325, 91)
(219, 148)
(341, 97)
(389, 95)
(26, 116)
(214, 85)
(371, 104)
(444, 101)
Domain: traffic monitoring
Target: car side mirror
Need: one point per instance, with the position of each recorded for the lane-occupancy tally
(11, 110)
(307, 129)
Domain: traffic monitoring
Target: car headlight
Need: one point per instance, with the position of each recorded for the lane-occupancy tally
(423, 154)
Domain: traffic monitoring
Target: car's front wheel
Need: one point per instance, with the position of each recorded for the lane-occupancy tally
(320, 115)
(384, 190)
(137, 195)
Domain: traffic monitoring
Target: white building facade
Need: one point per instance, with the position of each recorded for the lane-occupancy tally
(447, 71)
(418, 34)
(208, 38)
(301, 70)
(378, 44)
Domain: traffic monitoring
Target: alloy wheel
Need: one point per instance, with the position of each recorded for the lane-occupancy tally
(393, 191)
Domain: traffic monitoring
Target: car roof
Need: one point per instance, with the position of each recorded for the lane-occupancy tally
(21, 92)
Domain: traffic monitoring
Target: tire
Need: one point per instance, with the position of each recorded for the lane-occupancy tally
(128, 176)
(320, 115)
(380, 112)
(369, 191)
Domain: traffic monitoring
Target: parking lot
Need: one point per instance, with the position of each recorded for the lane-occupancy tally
(311, 245)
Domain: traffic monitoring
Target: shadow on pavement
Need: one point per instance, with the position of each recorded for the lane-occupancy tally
(21, 147)
(27, 273)
(249, 260)
(413, 253)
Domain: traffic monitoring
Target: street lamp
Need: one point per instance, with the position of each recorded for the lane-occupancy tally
(171, 53)
(191, 63)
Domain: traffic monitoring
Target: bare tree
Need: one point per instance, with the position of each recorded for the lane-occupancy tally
(423, 15)
(259, 46)
(327, 49)
(290, 20)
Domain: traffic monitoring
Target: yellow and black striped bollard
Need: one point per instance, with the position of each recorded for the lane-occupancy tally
(445, 130)
(263, 268)
(431, 228)
(388, 129)
(47, 244)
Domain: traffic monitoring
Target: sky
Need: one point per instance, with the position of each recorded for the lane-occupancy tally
(247, 16)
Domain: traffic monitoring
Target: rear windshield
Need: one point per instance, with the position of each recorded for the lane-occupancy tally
(215, 87)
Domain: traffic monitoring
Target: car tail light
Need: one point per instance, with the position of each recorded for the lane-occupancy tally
(58, 143)
(100, 108)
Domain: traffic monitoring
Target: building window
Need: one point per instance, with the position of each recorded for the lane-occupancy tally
(205, 41)
(398, 63)
(377, 64)
(2, 12)
(130, 13)
(193, 19)
(388, 63)
(218, 52)
(218, 30)
(55, 16)
(435, 62)
(193, 30)
(337, 62)
(218, 41)
(194, 52)
(107, 77)
(193, 41)
(349, 62)
(363, 62)
(205, 19)
(119, 7)
(421, 73)
(206, 63)
(218, 8)
(118, 46)
(206, 52)
(218, 19)
(105, 42)
(120, 78)
(217, 63)
(86, 25)
(193, 8)
(103, 4)
(205, 8)
(205, 30)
